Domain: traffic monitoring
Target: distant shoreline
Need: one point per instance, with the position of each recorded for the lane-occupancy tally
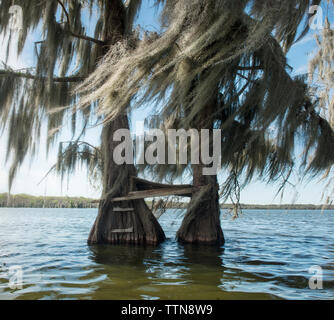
(28, 201)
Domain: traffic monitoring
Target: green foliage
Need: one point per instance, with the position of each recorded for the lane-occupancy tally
(27, 201)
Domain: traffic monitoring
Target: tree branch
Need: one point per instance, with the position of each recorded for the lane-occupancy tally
(244, 77)
(249, 68)
(33, 77)
(99, 42)
(85, 143)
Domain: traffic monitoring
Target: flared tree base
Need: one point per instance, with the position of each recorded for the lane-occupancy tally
(117, 225)
(201, 224)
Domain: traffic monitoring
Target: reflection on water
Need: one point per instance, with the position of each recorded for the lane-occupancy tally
(267, 256)
(172, 271)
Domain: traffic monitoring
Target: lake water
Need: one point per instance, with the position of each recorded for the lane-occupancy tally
(267, 255)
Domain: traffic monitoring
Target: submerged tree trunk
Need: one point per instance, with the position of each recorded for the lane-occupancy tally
(114, 223)
(129, 222)
(201, 224)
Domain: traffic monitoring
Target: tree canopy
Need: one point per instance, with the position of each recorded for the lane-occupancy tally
(225, 61)
(229, 55)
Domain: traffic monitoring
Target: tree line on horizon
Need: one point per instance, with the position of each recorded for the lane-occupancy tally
(28, 201)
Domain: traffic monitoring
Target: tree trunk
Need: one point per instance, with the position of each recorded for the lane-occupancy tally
(138, 225)
(201, 224)
(135, 226)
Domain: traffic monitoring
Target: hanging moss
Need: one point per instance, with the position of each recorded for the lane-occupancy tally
(232, 55)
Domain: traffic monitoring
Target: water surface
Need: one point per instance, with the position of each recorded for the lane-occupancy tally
(267, 255)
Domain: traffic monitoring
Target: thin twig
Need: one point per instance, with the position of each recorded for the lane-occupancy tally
(99, 42)
(34, 77)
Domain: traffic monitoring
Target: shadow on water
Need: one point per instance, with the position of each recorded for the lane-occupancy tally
(170, 271)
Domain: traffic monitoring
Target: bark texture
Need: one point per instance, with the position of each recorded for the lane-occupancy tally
(109, 224)
(201, 224)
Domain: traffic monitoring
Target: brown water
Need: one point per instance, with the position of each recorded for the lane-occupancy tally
(267, 255)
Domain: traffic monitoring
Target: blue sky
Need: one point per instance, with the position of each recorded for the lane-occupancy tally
(33, 171)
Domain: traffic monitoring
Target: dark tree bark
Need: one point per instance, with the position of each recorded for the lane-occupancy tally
(110, 222)
(141, 225)
(201, 224)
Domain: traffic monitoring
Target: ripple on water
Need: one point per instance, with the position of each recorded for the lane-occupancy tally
(266, 256)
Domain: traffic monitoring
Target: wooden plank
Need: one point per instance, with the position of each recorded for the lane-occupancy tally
(135, 195)
(123, 209)
(138, 184)
(129, 230)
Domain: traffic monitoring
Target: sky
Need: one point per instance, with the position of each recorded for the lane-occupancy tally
(31, 173)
